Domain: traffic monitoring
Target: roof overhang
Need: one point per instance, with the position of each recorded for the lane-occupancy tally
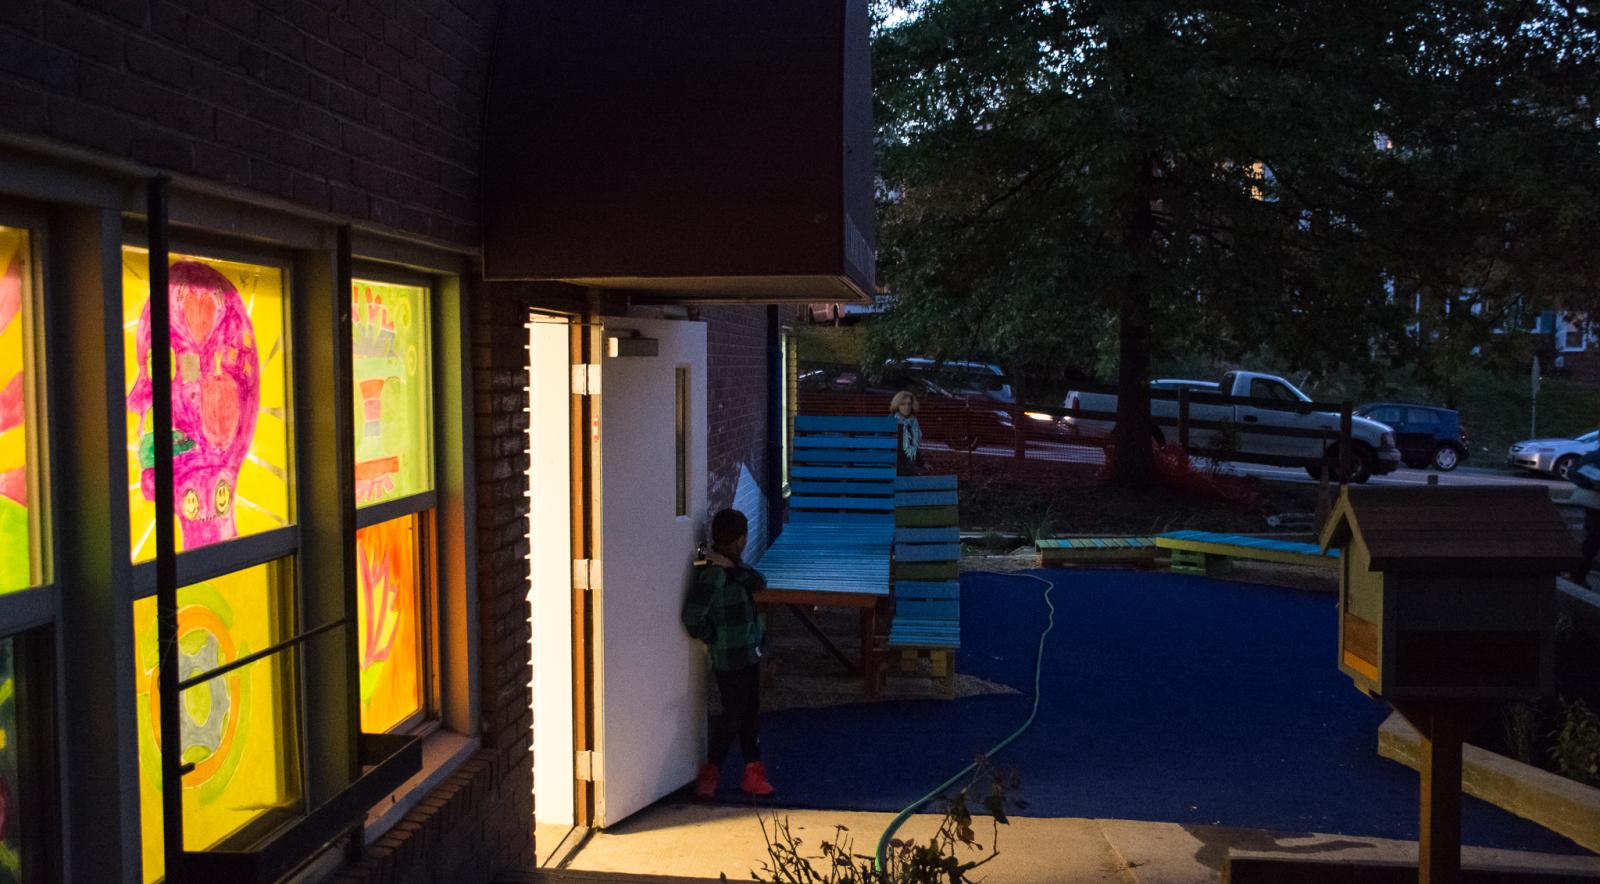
(717, 151)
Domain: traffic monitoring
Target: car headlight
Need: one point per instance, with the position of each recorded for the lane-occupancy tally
(1040, 416)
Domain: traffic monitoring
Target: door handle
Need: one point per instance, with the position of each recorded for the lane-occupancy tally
(1250, 418)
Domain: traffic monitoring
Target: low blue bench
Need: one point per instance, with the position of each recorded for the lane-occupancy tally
(927, 586)
(835, 549)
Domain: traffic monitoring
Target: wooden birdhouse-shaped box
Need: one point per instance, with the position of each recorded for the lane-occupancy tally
(1448, 593)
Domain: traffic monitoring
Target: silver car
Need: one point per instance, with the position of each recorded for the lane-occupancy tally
(1553, 456)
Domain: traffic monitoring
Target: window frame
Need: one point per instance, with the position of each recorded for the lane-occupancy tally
(80, 212)
(29, 615)
(240, 553)
(286, 539)
(423, 504)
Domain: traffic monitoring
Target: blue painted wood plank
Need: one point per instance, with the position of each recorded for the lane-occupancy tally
(928, 609)
(931, 552)
(881, 474)
(951, 534)
(857, 489)
(827, 518)
(928, 589)
(885, 424)
(843, 442)
(825, 457)
(823, 534)
(925, 483)
(925, 498)
(808, 502)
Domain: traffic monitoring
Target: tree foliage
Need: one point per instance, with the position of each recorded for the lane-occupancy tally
(1066, 182)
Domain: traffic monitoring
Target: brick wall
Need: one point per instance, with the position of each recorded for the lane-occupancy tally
(369, 109)
(481, 820)
(737, 393)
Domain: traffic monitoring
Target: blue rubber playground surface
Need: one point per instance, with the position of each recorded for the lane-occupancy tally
(1165, 698)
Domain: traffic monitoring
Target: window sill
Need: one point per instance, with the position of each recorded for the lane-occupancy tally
(442, 752)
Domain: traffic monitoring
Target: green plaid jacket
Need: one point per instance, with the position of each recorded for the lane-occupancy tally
(721, 611)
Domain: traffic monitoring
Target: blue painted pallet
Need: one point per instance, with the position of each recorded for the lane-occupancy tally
(875, 474)
(927, 612)
(806, 423)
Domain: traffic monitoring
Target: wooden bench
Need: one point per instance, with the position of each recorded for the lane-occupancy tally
(1063, 552)
(927, 586)
(1193, 551)
(834, 551)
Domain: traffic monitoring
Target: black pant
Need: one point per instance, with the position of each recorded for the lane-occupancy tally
(741, 703)
(1591, 545)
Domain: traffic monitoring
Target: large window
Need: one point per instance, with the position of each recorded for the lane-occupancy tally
(232, 478)
(230, 406)
(27, 709)
(238, 729)
(395, 494)
(21, 553)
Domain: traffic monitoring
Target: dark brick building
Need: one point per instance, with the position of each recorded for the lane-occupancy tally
(280, 124)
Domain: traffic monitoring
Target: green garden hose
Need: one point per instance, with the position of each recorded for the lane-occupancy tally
(1038, 671)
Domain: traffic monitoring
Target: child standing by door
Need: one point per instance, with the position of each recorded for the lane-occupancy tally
(721, 611)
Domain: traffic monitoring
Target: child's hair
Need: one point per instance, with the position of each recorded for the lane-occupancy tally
(904, 397)
(728, 526)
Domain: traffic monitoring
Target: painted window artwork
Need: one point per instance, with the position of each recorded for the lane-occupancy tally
(11, 808)
(17, 553)
(389, 615)
(393, 391)
(237, 729)
(230, 400)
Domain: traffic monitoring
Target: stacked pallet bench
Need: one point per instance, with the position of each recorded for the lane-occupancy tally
(1193, 552)
(835, 548)
(1064, 552)
(927, 586)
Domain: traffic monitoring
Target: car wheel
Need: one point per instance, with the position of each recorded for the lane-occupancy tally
(1362, 462)
(1445, 458)
(1564, 466)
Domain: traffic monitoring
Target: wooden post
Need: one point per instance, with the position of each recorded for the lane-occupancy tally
(1442, 726)
(1019, 433)
(1345, 454)
(1183, 418)
(1439, 838)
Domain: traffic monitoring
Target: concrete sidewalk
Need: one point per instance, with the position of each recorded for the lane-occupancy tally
(704, 841)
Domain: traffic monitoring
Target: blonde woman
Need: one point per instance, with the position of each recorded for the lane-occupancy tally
(903, 407)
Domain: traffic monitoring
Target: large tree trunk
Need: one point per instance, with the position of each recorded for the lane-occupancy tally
(1133, 461)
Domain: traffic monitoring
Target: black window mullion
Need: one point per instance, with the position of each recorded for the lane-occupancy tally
(389, 510)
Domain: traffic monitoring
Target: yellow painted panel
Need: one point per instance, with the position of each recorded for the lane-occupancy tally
(393, 390)
(18, 534)
(238, 729)
(230, 392)
(389, 621)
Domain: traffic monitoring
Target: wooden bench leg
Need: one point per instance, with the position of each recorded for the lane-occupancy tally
(947, 672)
(869, 649)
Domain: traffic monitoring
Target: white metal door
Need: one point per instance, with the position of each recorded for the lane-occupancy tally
(651, 677)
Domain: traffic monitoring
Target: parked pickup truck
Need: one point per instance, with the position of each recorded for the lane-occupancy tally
(1372, 444)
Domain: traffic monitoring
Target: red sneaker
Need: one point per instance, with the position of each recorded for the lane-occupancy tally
(705, 784)
(755, 780)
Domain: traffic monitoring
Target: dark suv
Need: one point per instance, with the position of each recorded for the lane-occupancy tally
(1426, 435)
